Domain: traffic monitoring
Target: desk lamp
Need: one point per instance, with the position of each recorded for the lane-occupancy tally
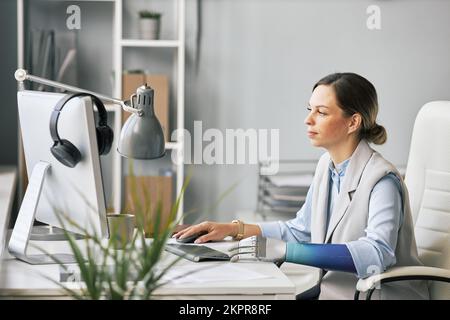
(141, 136)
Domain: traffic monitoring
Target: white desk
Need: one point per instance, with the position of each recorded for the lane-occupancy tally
(21, 280)
(303, 277)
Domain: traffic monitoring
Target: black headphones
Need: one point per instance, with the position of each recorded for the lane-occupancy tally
(63, 150)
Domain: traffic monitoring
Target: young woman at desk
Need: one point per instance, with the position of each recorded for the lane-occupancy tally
(356, 219)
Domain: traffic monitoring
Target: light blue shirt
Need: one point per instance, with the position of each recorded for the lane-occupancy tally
(374, 252)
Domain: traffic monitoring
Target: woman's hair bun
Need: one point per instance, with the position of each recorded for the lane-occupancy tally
(377, 134)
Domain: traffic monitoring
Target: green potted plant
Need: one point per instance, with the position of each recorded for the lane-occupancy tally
(149, 24)
(114, 270)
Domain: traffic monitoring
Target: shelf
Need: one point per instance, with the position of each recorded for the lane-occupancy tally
(119, 43)
(149, 43)
(172, 145)
(76, 0)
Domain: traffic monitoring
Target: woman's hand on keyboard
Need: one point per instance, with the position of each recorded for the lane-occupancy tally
(215, 231)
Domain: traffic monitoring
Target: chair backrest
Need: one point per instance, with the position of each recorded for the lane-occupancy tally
(428, 180)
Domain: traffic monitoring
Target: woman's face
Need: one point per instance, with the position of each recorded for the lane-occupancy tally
(326, 124)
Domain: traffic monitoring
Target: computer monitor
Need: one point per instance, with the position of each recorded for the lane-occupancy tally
(54, 188)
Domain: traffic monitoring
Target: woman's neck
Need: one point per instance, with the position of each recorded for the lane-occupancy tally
(343, 151)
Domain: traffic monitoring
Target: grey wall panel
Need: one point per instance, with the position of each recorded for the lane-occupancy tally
(8, 63)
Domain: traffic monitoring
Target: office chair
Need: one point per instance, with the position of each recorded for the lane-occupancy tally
(428, 180)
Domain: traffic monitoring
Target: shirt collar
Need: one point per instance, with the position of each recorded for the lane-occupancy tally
(340, 168)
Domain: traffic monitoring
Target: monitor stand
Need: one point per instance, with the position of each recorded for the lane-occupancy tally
(20, 235)
(51, 233)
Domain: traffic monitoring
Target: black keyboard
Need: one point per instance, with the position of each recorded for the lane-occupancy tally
(196, 253)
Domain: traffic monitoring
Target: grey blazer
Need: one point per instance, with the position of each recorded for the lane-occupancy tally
(350, 219)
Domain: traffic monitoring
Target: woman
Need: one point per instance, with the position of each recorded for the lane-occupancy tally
(356, 220)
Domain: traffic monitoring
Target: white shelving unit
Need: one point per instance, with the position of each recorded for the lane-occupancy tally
(150, 43)
(178, 74)
(119, 43)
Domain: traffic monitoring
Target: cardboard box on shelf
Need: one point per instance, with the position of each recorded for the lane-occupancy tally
(159, 83)
(130, 82)
(144, 194)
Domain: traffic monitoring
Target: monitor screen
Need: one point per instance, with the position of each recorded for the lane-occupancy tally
(76, 192)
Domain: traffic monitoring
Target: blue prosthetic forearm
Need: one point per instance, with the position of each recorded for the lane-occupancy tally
(335, 257)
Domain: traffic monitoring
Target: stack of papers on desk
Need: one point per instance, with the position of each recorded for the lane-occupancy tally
(210, 273)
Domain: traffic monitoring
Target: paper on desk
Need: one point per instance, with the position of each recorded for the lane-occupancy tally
(210, 273)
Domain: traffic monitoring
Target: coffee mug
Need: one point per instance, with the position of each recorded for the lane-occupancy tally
(121, 228)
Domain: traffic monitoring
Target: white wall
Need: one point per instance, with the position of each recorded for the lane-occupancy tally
(260, 59)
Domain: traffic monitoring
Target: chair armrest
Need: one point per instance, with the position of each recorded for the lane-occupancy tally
(400, 273)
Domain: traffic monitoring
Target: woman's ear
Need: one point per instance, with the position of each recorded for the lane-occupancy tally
(355, 123)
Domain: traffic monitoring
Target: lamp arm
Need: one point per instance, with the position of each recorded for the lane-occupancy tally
(21, 75)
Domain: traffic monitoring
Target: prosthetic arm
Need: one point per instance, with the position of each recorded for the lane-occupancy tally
(335, 257)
